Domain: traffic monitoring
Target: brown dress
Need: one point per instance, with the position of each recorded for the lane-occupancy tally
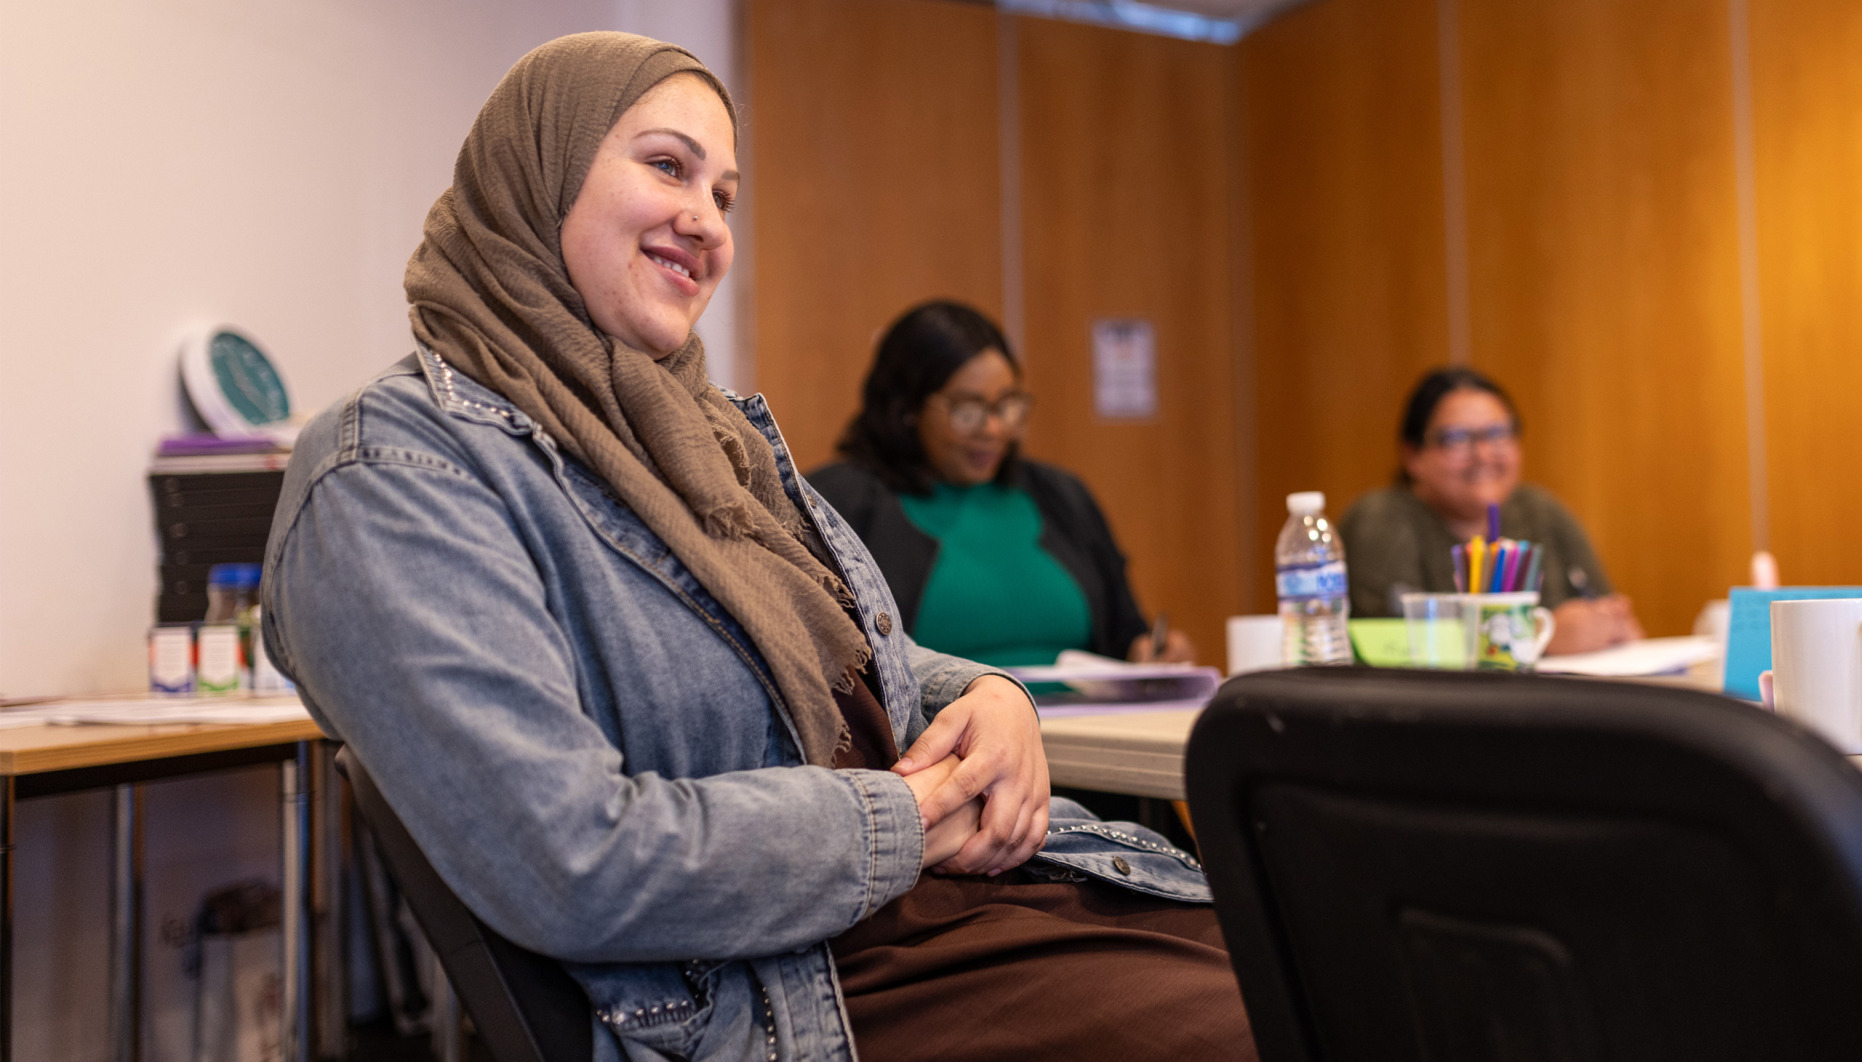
(1013, 967)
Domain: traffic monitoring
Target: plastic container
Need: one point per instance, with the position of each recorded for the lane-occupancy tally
(171, 658)
(217, 665)
(232, 592)
(232, 598)
(1309, 577)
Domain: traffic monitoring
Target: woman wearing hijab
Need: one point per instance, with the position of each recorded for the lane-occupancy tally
(991, 556)
(639, 694)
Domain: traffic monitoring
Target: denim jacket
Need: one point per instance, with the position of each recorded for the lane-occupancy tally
(590, 751)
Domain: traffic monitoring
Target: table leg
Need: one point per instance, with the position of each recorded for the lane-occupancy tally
(329, 952)
(126, 926)
(6, 919)
(295, 785)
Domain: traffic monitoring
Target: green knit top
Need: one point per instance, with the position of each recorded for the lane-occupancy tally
(994, 595)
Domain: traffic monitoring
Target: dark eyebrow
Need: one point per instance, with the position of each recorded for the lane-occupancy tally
(697, 149)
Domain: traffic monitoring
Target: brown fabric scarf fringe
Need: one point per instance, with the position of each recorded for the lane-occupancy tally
(489, 293)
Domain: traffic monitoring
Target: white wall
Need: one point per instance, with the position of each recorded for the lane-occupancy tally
(171, 162)
(175, 161)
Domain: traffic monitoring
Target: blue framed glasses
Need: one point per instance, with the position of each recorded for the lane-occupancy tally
(1464, 440)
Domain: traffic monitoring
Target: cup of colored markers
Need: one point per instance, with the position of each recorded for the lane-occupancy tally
(1498, 566)
(1496, 606)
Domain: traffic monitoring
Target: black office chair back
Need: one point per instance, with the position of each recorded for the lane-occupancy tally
(525, 1006)
(1465, 867)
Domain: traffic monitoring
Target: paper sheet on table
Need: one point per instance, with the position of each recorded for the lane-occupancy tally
(1049, 709)
(151, 711)
(1091, 679)
(1650, 656)
(13, 717)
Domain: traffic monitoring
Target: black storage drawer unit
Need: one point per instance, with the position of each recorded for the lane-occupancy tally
(204, 518)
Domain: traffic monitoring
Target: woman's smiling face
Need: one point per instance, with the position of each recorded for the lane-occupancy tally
(1469, 458)
(646, 242)
(966, 456)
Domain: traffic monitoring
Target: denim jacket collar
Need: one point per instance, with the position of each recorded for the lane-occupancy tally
(462, 396)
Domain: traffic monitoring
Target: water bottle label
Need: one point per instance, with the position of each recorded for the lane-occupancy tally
(1311, 580)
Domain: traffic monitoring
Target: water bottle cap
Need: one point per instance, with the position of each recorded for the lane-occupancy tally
(244, 576)
(1302, 502)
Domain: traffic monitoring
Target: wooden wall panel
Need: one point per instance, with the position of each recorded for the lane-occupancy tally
(873, 169)
(1345, 268)
(1277, 209)
(1807, 127)
(1604, 276)
(1125, 199)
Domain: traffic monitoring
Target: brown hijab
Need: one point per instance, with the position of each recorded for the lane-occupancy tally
(490, 294)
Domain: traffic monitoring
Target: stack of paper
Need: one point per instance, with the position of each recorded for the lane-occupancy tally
(150, 711)
(1077, 683)
(1650, 656)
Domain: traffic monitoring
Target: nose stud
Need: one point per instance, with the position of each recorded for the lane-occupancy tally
(694, 217)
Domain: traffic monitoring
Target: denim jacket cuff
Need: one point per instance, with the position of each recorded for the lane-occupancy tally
(948, 684)
(895, 835)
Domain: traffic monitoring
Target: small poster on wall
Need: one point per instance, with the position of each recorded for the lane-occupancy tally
(1124, 368)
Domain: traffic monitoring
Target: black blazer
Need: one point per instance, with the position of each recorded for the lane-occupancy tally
(1073, 530)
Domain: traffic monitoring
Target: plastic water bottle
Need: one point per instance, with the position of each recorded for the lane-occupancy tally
(1309, 576)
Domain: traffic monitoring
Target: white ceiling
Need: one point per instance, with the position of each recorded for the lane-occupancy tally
(1222, 9)
(1221, 21)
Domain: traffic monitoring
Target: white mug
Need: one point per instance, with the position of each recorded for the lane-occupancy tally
(1816, 653)
(1254, 643)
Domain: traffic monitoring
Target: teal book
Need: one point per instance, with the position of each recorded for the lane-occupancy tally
(1748, 631)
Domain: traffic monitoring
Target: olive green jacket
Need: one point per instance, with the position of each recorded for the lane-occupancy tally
(1394, 544)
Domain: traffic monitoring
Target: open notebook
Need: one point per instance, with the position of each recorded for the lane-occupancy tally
(1089, 682)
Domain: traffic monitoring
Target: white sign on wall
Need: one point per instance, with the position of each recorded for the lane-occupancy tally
(1124, 368)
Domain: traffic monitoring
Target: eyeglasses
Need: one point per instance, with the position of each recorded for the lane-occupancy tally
(1464, 440)
(970, 414)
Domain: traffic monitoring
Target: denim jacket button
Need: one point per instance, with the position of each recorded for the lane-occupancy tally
(884, 623)
(1119, 864)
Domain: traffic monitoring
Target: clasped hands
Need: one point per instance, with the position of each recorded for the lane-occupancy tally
(1582, 625)
(980, 777)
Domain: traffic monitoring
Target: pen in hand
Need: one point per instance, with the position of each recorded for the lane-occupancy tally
(1160, 633)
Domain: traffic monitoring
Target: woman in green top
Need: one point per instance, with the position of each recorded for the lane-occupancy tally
(990, 556)
(1460, 448)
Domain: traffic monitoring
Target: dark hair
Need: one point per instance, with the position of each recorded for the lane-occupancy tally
(1436, 385)
(917, 356)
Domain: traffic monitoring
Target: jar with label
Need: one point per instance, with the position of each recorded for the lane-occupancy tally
(223, 653)
(171, 658)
